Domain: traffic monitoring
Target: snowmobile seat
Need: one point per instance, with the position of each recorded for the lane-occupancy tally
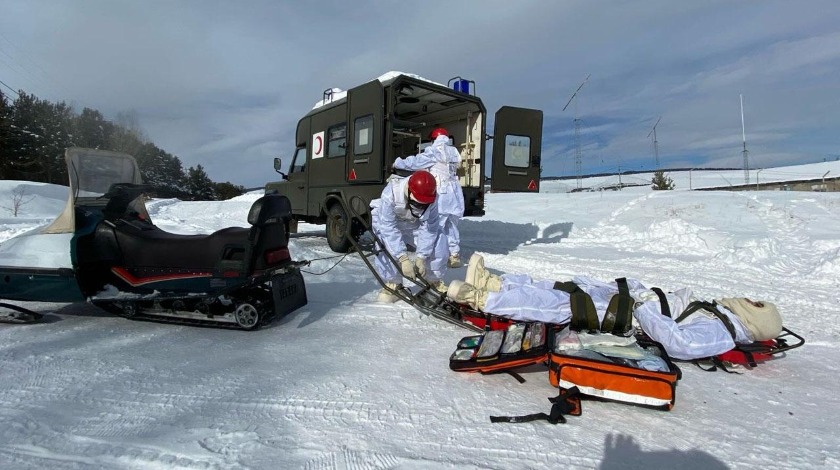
(269, 235)
(145, 245)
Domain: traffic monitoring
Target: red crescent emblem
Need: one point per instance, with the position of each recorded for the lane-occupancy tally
(319, 143)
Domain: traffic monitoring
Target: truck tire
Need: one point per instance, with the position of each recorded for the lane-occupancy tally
(337, 229)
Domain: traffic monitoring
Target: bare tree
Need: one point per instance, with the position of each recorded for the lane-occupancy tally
(19, 199)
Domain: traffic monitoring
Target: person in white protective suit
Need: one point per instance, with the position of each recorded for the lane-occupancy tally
(407, 213)
(519, 297)
(442, 160)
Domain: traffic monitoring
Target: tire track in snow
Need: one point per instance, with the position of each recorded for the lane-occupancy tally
(47, 447)
(168, 404)
(105, 455)
(354, 460)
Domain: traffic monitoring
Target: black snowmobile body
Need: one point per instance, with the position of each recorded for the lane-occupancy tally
(120, 261)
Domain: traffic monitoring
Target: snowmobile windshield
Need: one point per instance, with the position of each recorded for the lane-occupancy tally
(92, 173)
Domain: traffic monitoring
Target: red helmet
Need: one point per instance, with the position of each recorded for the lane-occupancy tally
(437, 132)
(422, 187)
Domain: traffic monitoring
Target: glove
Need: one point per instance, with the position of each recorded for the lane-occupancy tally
(406, 266)
(421, 263)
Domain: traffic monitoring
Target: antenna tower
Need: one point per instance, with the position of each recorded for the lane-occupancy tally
(744, 136)
(655, 142)
(578, 156)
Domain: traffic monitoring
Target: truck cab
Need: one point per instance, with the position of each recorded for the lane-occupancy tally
(346, 146)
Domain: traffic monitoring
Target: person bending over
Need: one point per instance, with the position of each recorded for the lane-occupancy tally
(407, 213)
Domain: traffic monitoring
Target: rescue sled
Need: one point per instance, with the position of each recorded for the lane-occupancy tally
(104, 248)
(421, 295)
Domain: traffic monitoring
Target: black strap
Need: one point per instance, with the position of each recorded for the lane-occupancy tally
(402, 173)
(566, 403)
(714, 364)
(584, 316)
(710, 307)
(749, 356)
(528, 418)
(618, 318)
(511, 373)
(663, 302)
(516, 376)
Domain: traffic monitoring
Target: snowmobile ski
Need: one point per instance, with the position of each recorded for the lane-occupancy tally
(18, 314)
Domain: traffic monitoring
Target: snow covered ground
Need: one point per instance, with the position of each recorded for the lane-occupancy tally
(346, 383)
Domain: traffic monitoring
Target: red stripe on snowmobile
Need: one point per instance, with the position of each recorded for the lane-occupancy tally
(277, 256)
(126, 276)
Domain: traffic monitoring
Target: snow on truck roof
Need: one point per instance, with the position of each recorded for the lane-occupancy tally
(385, 79)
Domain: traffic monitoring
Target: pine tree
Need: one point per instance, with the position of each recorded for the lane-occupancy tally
(5, 135)
(661, 181)
(199, 185)
(228, 190)
(91, 130)
(41, 133)
(35, 133)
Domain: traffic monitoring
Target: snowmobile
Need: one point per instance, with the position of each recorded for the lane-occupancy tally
(105, 249)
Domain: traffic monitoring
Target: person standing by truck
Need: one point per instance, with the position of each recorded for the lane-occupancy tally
(442, 160)
(407, 213)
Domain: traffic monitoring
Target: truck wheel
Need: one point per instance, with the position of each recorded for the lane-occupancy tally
(337, 230)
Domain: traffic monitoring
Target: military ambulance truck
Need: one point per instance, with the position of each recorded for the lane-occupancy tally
(346, 146)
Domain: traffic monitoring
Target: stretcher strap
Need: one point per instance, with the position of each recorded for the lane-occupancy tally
(618, 318)
(712, 364)
(663, 301)
(711, 308)
(584, 316)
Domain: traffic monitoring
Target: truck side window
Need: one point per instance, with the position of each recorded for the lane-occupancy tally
(517, 151)
(363, 135)
(298, 161)
(337, 141)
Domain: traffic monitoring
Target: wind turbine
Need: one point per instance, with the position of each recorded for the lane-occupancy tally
(655, 142)
(744, 136)
(578, 157)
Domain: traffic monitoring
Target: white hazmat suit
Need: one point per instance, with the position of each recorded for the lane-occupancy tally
(442, 160)
(396, 225)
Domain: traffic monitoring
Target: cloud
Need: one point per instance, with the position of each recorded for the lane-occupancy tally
(224, 83)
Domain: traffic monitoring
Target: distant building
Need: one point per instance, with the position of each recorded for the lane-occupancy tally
(817, 184)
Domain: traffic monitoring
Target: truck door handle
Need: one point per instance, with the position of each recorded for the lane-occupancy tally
(300, 187)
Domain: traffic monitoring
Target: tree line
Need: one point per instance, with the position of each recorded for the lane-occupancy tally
(34, 134)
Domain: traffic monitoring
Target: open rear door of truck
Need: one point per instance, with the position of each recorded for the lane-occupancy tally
(365, 113)
(517, 146)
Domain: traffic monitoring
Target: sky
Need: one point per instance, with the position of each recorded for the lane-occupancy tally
(346, 382)
(222, 84)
